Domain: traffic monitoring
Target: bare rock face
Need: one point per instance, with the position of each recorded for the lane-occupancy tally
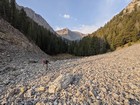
(135, 4)
(37, 18)
(70, 35)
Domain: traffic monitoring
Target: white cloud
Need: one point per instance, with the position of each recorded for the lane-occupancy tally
(58, 28)
(66, 16)
(86, 29)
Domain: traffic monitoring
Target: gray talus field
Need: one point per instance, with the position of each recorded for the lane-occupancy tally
(108, 79)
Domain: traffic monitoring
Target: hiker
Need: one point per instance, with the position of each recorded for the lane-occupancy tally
(46, 62)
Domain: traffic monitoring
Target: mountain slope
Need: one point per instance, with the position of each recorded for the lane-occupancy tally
(47, 41)
(109, 79)
(20, 59)
(135, 4)
(70, 35)
(123, 28)
(16, 41)
(36, 17)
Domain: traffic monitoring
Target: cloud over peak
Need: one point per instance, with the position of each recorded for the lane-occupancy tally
(66, 16)
(86, 29)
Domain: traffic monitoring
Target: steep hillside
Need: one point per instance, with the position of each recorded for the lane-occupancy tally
(10, 35)
(134, 5)
(42, 37)
(16, 55)
(123, 28)
(70, 35)
(36, 17)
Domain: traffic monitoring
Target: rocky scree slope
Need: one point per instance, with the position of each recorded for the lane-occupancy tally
(16, 56)
(108, 79)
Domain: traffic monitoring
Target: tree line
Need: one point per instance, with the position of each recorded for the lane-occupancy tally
(46, 40)
(88, 46)
(122, 29)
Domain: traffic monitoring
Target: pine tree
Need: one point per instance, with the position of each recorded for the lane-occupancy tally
(13, 13)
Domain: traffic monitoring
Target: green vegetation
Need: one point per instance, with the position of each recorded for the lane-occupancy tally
(88, 46)
(46, 40)
(122, 29)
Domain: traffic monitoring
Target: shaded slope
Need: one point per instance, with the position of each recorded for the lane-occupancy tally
(16, 55)
(37, 18)
(15, 45)
(42, 37)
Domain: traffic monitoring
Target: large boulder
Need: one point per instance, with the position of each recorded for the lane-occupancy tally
(61, 82)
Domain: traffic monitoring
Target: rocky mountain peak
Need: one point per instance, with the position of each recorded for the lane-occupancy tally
(135, 4)
(70, 35)
(36, 17)
(63, 31)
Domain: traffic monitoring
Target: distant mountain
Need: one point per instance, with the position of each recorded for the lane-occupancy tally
(36, 17)
(70, 35)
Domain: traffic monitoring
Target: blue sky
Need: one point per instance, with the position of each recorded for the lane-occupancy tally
(81, 15)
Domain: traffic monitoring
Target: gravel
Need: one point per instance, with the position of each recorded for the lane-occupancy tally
(112, 78)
